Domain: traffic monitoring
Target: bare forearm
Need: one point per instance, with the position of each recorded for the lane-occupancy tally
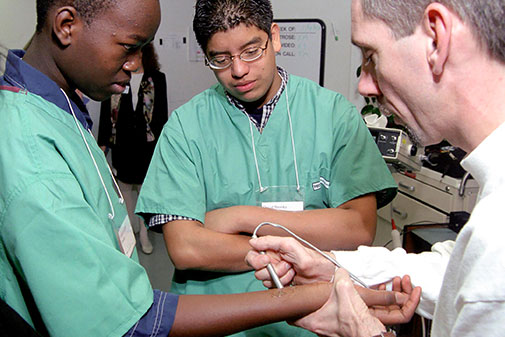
(218, 315)
(328, 229)
(194, 247)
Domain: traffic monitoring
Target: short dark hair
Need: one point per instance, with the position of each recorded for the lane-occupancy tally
(212, 16)
(87, 9)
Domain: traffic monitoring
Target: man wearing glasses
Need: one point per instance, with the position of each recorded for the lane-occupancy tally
(261, 145)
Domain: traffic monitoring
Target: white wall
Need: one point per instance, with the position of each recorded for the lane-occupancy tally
(336, 15)
(18, 20)
(186, 78)
(190, 78)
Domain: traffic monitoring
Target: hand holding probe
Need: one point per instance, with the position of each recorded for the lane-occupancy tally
(271, 270)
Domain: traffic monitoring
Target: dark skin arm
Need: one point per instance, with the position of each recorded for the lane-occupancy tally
(218, 315)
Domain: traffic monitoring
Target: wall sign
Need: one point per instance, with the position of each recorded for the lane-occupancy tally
(303, 47)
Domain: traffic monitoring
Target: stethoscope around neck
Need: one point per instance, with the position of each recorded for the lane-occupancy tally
(112, 214)
(263, 189)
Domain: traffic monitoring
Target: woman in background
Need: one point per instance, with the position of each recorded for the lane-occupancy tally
(130, 125)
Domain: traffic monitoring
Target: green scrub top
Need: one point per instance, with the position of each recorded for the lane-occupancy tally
(59, 257)
(204, 161)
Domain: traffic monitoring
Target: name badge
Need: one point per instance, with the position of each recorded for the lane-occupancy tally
(126, 237)
(293, 206)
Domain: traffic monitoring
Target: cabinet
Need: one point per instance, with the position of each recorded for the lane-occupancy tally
(427, 197)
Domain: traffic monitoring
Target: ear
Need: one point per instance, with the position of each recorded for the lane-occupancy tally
(437, 23)
(276, 37)
(65, 23)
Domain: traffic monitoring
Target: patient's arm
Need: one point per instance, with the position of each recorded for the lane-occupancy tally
(218, 315)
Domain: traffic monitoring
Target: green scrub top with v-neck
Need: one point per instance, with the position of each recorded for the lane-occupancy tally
(60, 262)
(204, 161)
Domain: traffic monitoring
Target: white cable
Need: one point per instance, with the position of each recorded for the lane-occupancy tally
(262, 189)
(355, 278)
(112, 214)
(255, 158)
(121, 198)
(292, 142)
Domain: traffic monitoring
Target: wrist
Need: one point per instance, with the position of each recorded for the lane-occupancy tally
(246, 218)
(325, 267)
(252, 216)
(241, 221)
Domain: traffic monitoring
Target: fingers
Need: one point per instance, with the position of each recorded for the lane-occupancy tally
(393, 307)
(286, 279)
(398, 315)
(406, 284)
(257, 260)
(275, 243)
(410, 306)
(378, 297)
(267, 243)
(401, 312)
(282, 269)
(403, 288)
(397, 284)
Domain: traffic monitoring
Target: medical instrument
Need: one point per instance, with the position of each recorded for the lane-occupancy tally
(397, 148)
(270, 268)
(395, 235)
(121, 199)
(262, 189)
(331, 259)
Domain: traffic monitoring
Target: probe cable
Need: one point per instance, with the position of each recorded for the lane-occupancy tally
(271, 270)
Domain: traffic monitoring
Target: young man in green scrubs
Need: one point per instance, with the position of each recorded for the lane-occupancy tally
(261, 145)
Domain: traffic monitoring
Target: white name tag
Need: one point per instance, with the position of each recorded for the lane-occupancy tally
(293, 206)
(126, 237)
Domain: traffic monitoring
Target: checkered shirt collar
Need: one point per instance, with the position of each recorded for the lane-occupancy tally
(268, 107)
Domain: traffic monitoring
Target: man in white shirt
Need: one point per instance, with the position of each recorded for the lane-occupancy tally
(440, 68)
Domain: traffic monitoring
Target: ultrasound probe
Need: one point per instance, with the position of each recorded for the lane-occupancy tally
(271, 270)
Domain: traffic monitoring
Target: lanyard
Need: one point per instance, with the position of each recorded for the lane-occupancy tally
(121, 199)
(262, 189)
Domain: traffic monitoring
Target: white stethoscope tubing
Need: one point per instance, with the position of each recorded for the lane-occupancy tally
(121, 199)
(262, 189)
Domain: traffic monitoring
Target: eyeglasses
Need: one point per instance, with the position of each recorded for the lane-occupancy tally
(225, 61)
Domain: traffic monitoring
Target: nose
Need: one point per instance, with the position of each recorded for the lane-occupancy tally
(368, 85)
(239, 68)
(133, 62)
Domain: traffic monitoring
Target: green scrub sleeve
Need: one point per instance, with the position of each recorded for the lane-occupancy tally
(80, 283)
(173, 185)
(357, 165)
